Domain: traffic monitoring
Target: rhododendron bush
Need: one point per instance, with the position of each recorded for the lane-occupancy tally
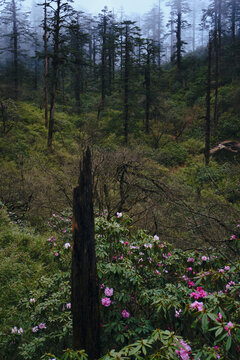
(156, 301)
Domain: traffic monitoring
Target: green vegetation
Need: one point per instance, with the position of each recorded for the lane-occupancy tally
(164, 133)
(156, 301)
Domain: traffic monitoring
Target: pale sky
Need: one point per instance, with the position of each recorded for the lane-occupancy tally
(129, 6)
(94, 7)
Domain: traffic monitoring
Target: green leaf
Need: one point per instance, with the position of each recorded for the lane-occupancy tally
(219, 331)
(205, 323)
(229, 343)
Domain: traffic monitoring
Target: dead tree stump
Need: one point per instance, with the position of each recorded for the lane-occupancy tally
(85, 294)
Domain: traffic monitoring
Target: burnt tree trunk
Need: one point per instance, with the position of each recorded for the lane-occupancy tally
(85, 296)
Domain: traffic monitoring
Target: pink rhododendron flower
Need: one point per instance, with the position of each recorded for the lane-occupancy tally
(191, 259)
(185, 350)
(106, 301)
(32, 300)
(14, 330)
(156, 238)
(35, 329)
(219, 317)
(68, 305)
(233, 237)
(42, 326)
(229, 327)
(56, 254)
(204, 258)
(197, 305)
(119, 215)
(102, 286)
(189, 269)
(227, 268)
(20, 331)
(177, 313)
(108, 292)
(228, 286)
(67, 245)
(199, 293)
(125, 314)
(221, 270)
(190, 284)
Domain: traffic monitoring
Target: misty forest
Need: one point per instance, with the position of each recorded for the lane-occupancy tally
(120, 181)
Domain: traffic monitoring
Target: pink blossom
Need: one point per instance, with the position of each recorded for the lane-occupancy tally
(119, 215)
(185, 350)
(156, 238)
(125, 314)
(233, 237)
(102, 286)
(32, 300)
(35, 329)
(177, 313)
(204, 258)
(191, 259)
(229, 327)
(190, 284)
(14, 330)
(197, 305)
(199, 293)
(227, 268)
(42, 326)
(189, 269)
(56, 254)
(228, 286)
(68, 305)
(20, 331)
(106, 301)
(108, 292)
(221, 270)
(219, 317)
(67, 245)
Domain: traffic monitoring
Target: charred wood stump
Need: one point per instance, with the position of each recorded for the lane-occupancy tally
(85, 296)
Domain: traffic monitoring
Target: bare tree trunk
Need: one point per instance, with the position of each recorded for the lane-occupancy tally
(194, 25)
(179, 36)
(126, 85)
(55, 65)
(85, 294)
(15, 48)
(148, 84)
(208, 104)
(45, 66)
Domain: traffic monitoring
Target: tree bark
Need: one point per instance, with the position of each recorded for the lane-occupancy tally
(85, 294)
(45, 66)
(55, 65)
(208, 104)
(15, 49)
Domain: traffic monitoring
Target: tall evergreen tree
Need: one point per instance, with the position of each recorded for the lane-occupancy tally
(179, 8)
(16, 21)
(61, 11)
